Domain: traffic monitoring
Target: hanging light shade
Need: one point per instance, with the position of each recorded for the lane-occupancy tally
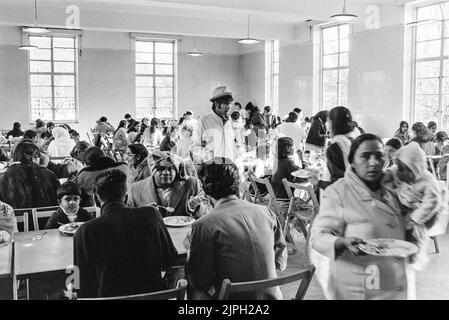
(35, 28)
(195, 52)
(248, 39)
(27, 47)
(344, 17)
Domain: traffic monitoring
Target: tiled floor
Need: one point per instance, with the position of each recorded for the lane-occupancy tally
(432, 283)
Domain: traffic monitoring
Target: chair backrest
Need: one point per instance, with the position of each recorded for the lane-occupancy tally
(177, 293)
(306, 187)
(22, 216)
(42, 212)
(90, 137)
(273, 201)
(432, 166)
(305, 275)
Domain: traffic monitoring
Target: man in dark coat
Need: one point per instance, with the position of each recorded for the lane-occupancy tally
(124, 250)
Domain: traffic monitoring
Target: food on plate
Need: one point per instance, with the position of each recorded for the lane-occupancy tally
(4, 236)
(178, 220)
(70, 228)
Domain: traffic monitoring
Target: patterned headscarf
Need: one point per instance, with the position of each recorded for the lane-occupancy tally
(165, 158)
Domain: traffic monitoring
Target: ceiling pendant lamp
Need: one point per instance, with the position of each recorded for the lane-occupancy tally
(26, 47)
(35, 28)
(344, 17)
(195, 52)
(248, 39)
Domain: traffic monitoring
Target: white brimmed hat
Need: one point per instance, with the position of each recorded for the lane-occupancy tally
(219, 92)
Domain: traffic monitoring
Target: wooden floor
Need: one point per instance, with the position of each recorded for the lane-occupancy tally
(432, 283)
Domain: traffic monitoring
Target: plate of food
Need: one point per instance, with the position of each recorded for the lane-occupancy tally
(178, 221)
(5, 238)
(70, 229)
(303, 174)
(389, 248)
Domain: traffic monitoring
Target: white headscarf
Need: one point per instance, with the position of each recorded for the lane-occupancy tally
(62, 145)
(414, 157)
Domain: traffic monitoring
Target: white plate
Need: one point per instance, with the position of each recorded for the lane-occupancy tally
(303, 174)
(68, 230)
(389, 248)
(178, 221)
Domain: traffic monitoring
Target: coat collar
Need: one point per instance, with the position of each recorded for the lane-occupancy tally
(177, 187)
(109, 207)
(224, 201)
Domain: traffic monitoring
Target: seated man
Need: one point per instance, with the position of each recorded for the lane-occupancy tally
(167, 187)
(237, 240)
(124, 250)
(69, 197)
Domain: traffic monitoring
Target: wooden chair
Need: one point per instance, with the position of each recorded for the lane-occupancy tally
(22, 216)
(302, 217)
(177, 293)
(42, 212)
(304, 275)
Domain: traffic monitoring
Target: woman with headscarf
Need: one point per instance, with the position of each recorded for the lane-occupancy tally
(136, 157)
(167, 187)
(152, 136)
(316, 137)
(170, 141)
(62, 144)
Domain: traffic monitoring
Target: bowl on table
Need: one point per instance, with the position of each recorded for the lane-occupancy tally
(70, 229)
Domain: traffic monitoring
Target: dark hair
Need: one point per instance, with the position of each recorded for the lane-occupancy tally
(358, 141)
(267, 108)
(251, 107)
(16, 125)
(431, 124)
(401, 124)
(235, 115)
(188, 113)
(307, 119)
(220, 178)
(341, 120)
(181, 120)
(297, 110)
(292, 117)
(322, 115)
(29, 134)
(238, 104)
(440, 136)
(39, 123)
(74, 132)
(103, 119)
(50, 124)
(121, 124)
(111, 185)
(139, 150)
(421, 131)
(153, 124)
(127, 116)
(92, 154)
(80, 147)
(285, 147)
(68, 188)
(394, 143)
(224, 99)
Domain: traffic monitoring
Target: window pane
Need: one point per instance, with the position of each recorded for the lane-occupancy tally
(344, 45)
(428, 49)
(144, 46)
(40, 54)
(446, 68)
(144, 103)
(330, 61)
(428, 31)
(63, 43)
(427, 86)
(330, 47)
(144, 69)
(41, 92)
(41, 42)
(344, 75)
(64, 54)
(426, 107)
(330, 101)
(344, 31)
(64, 67)
(40, 66)
(330, 34)
(428, 69)
(344, 59)
(429, 12)
(164, 47)
(446, 47)
(64, 108)
(144, 81)
(164, 69)
(330, 76)
(445, 112)
(68, 92)
(164, 113)
(144, 92)
(40, 80)
(144, 57)
(165, 82)
(164, 92)
(64, 81)
(164, 58)
(446, 85)
(164, 103)
(276, 81)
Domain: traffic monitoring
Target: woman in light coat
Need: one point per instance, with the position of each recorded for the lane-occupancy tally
(354, 209)
(62, 145)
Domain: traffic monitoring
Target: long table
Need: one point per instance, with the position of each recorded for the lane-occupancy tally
(6, 288)
(51, 258)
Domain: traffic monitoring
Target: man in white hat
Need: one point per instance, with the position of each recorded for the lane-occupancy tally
(215, 136)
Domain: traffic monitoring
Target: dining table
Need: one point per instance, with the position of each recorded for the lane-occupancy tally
(45, 259)
(6, 283)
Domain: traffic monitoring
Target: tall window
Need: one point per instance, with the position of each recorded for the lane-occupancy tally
(335, 66)
(155, 79)
(53, 72)
(431, 97)
(272, 74)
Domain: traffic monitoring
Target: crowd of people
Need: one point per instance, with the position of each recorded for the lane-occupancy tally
(193, 166)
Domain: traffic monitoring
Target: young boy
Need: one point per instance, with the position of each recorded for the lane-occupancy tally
(69, 197)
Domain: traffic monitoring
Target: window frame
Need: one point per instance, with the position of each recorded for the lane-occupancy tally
(76, 38)
(272, 56)
(153, 110)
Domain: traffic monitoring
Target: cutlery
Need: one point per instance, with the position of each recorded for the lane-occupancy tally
(39, 236)
(168, 209)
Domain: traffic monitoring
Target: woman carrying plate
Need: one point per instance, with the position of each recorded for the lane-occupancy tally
(354, 209)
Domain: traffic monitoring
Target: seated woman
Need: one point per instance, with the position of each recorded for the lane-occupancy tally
(96, 163)
(391, 147)
(441, 139)
(62, 145)
(170, 140)
(353, 209)
(16, 131)
(25, 184)
(137, 158)
(71, 166)
(152, 136)
(285, 166)
(167, 187)
(121, 137)
(69, 197)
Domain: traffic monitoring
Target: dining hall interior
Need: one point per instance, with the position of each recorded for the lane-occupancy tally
(205, 149)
